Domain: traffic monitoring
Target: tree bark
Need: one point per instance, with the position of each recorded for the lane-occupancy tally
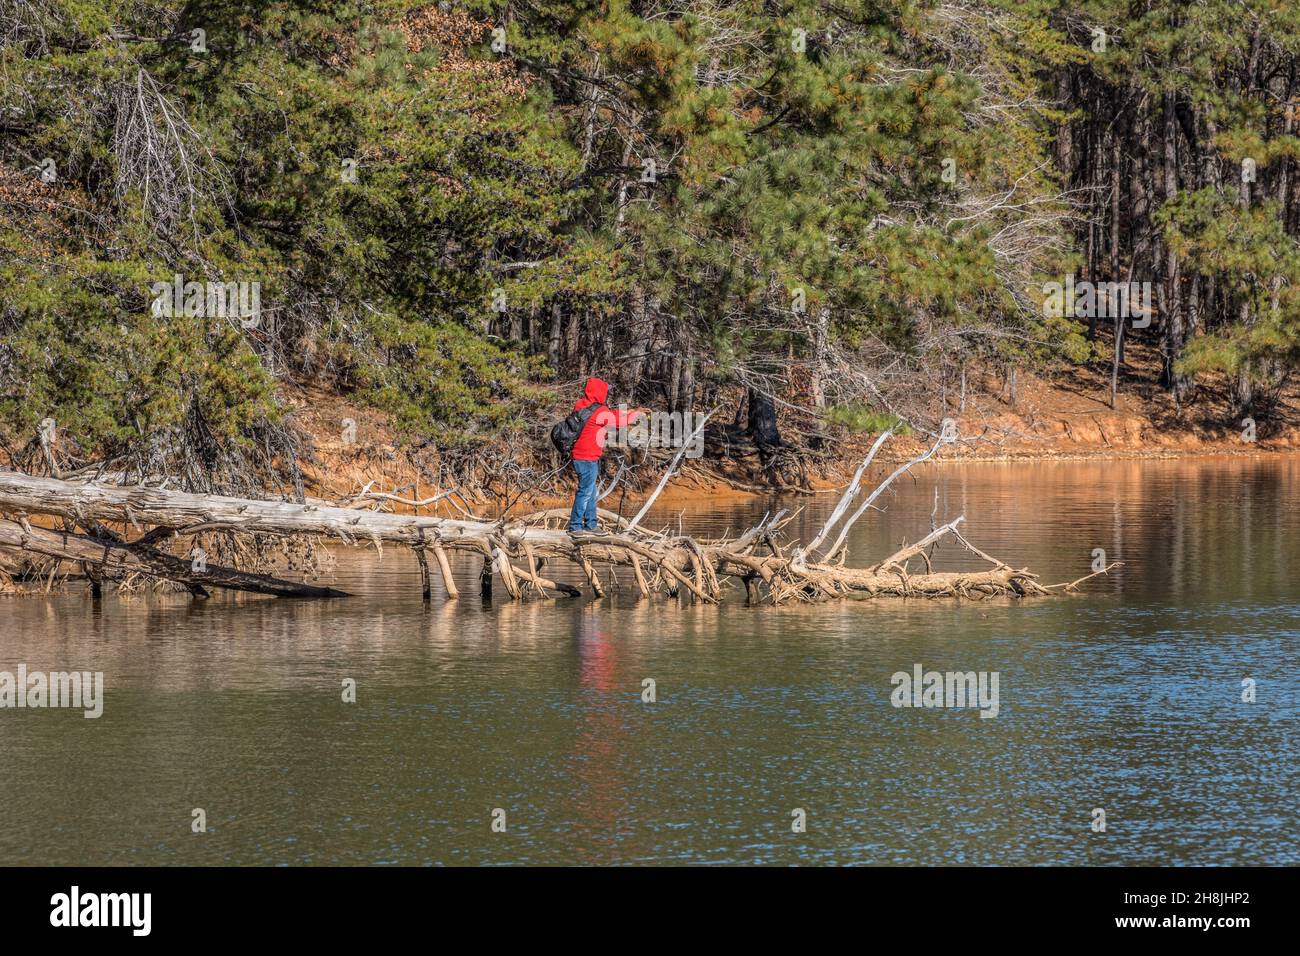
(116, 558)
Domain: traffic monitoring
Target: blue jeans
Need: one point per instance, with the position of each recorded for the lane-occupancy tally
(584, 502)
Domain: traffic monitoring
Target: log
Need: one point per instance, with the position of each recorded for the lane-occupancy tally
(113, 557)
(188, 513)
(701, 567)
(14, 564)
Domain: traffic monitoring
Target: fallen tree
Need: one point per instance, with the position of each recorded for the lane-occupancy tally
(114, 558)
(514, 550)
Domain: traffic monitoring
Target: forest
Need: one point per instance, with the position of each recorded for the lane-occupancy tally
(827, 211)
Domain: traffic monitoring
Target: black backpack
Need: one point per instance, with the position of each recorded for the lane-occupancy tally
(564, 435)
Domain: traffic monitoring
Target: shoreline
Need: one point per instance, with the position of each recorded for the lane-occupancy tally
(691, 488)
(1063, 418)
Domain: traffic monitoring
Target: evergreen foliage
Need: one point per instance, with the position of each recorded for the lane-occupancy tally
(451, 208)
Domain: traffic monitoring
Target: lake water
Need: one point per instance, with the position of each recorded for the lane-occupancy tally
(1125, 698)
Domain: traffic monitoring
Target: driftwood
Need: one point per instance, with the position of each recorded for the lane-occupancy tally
(514, 550)
(114, 558)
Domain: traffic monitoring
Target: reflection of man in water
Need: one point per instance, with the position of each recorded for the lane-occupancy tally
(601, 792)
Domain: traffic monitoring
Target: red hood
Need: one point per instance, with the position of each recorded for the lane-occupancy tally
(595, 392)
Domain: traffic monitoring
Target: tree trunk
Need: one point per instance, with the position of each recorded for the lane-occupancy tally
(1173, 313)
(553, 341)
(114, 557)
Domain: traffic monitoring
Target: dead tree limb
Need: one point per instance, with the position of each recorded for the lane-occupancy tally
(668, 473)
(901, 469)
(850, 493)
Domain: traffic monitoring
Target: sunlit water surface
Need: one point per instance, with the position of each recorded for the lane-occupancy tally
(1126, 697)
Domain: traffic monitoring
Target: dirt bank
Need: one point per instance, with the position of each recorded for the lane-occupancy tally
(1064, 418)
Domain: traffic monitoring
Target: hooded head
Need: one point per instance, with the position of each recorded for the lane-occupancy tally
(595, 392)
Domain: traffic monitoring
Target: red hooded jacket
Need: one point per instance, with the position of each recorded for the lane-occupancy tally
(591, 443)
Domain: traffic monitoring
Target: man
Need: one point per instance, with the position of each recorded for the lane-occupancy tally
(589, 447)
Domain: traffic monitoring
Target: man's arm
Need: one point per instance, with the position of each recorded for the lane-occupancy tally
(618, 419)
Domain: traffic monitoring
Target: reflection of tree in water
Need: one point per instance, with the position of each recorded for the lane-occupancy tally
(1217, 530)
